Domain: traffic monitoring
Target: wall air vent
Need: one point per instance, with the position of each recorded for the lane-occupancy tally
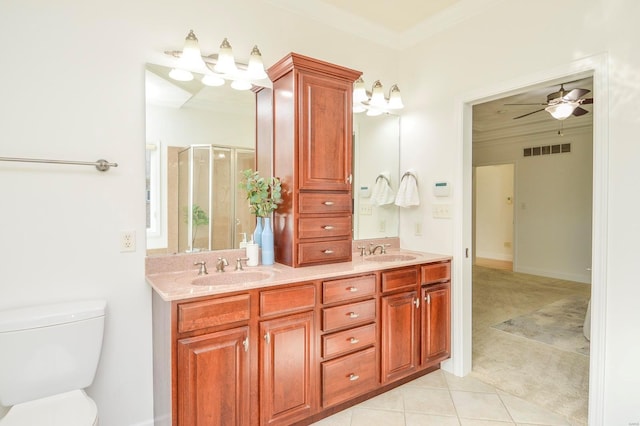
(546, 150)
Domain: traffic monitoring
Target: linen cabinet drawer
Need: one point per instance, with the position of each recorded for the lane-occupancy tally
(348, 315)
(436, 272)
(324, 227)
(349, 376)
(399, 278)
(324, 252)
(348, 340)
(210, 313)
(324, 202)
(348, 288)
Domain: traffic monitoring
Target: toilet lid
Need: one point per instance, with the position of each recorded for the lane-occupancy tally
(73, 408)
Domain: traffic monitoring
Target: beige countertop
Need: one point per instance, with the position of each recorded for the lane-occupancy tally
(186, 283)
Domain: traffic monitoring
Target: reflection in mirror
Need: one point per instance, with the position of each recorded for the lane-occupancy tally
(198, 140)
(376, 162)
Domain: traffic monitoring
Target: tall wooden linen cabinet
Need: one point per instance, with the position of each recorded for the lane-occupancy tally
(312, 155)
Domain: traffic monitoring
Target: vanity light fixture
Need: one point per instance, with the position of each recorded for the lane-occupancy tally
(375, 102)
(217, 68)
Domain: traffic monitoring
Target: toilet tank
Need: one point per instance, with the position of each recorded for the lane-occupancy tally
(49, 349)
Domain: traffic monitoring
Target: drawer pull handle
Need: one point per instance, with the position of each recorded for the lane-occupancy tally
(353, 315)
(353, 377)
(428, 299)
(328, 203)
(353, 341)
(416, 302)
(353, 289)
(267, 338)
(245, 343)
(327, 251)
(328, 227)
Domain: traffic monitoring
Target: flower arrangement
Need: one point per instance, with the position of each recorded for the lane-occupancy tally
(264, 195)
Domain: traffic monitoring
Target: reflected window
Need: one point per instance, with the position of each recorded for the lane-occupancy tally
(153, 188)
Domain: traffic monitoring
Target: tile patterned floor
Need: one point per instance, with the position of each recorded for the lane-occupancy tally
(442, 399)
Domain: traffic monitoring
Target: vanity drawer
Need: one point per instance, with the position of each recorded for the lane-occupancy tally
(287, 300)
(399, 278)
(436, 272)
(324, 202)
(348, 315)
(348, 288)
(323, 227)
(213, 312)
(349, 376)
(348, 340)
(324, 252)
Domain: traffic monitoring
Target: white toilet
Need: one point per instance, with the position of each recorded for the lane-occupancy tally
(48, 355)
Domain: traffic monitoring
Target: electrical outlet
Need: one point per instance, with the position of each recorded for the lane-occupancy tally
(382, 226)
(366, 209)
(418, 229)
(127, 241)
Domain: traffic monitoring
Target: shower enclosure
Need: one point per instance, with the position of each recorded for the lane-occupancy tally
(212, 211)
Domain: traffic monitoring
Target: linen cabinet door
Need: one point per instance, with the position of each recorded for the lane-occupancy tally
(213, 379)
(436, 323)
(287, 374)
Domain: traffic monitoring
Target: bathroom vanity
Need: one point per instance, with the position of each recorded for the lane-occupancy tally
(280, 345)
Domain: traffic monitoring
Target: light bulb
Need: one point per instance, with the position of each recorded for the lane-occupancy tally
(395, 101)
(180, 74)
(212, 80)
(226, 63)
(255, 69)
(359, 92)
(562, 110)
(377, 95)
(240, 85)
(357, 108)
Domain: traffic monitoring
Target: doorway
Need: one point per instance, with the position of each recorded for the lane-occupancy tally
(461, 363)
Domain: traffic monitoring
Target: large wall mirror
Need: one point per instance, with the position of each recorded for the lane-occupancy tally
(198, 140)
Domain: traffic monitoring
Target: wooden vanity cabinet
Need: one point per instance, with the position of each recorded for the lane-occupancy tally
(287, 373)
(436, 313)
(312, 155)
(213, 363)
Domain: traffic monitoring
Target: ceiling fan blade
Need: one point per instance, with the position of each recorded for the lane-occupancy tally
(579, 111)
(575, 94)
(529, 113)
(539, 104)
(586, 101)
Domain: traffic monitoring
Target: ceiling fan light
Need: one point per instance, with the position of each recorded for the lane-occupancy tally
(226, 63)
(359, 91)
(377, 95)
(395, 100)
(562, 110)
(255, 69)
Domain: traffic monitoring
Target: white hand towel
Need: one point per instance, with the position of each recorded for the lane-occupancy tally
(382, 193)
(408, 191)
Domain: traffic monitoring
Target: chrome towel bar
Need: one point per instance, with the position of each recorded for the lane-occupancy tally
(101, 165)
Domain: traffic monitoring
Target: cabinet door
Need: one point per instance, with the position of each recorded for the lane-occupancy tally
(325, 133)
(436, 323)
(213, 379)
(400, 322)
(287, 375)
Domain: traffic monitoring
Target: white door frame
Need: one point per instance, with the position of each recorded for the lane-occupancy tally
(595, 66)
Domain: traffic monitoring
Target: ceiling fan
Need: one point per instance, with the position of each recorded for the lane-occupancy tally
(563, 104)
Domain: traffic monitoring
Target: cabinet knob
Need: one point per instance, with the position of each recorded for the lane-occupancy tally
(267, 338)
(353, 289)
(328, 203)
(353, 377)
(353, 341)
(327, 251)
(328, 227)
(416, 302)
(427, 299)
(245, 343)
(353, 315)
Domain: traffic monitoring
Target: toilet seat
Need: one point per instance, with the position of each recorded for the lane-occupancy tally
(73, 408)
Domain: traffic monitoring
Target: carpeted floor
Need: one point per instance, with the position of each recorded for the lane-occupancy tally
(526, 339)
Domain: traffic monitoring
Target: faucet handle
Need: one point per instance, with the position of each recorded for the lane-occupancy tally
(203, 267)
(221, 263)
(239, 263)
(384, 248)
(363, 250)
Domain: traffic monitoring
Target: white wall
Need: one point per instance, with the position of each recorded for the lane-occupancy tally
(73, 88)
(510, 40)
(494, 212)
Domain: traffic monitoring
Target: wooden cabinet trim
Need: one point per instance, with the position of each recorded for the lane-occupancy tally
(397, 279)
(287, 300)
(213, 312)
(436, 272)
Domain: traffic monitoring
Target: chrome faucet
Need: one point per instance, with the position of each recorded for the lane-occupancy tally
(382, 247)
(203, 267)
(221, 263)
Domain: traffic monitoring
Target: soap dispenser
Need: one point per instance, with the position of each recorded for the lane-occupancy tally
(253, 251)
(243, 243)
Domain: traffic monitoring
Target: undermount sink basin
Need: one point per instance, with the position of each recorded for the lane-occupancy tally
(231, 278)
(390, 257)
